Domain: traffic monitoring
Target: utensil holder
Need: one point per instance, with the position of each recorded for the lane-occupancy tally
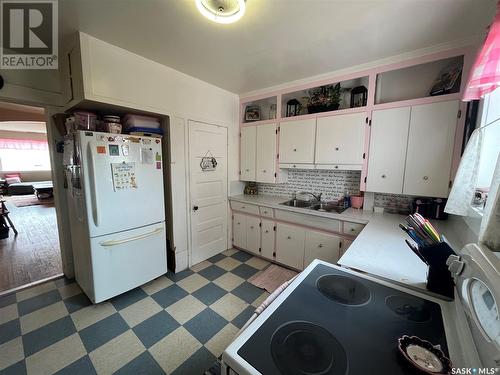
(439, 279)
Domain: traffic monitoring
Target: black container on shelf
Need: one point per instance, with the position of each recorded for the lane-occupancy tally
(431, 208)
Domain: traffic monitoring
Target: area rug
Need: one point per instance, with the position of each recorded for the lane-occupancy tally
(272, 277)
(30, 200)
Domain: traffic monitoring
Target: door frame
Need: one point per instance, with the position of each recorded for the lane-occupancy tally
(189, 185)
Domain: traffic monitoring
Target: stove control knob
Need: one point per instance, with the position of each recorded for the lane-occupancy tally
(455, 265)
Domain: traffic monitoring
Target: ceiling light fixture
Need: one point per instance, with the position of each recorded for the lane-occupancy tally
(221, 11)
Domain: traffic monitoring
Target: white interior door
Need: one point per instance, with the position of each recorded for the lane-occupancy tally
(430, 149)
(208, 190)
(388, 140)
(247, 153)
(340, 139)
(266, 153)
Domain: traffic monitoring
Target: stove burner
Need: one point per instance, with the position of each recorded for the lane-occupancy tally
(343, 289)
(300, 348)
(409, 308)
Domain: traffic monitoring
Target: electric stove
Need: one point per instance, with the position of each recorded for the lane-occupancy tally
(338, 321)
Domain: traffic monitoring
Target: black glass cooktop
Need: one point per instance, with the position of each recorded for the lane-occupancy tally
(335, 323)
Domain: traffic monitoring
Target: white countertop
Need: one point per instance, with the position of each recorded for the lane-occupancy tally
(380, 248)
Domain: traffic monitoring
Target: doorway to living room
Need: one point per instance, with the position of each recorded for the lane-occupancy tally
(29, 240)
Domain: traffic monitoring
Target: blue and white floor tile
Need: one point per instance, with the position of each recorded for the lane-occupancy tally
(176, 324)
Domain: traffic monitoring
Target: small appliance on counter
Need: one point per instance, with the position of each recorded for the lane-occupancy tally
(432, 208)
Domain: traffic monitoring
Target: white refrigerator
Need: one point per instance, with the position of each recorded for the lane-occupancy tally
(117, 211)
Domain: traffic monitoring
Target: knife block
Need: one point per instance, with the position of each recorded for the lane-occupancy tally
(439, 279)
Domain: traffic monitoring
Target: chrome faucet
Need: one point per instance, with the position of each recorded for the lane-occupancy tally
(315, 196)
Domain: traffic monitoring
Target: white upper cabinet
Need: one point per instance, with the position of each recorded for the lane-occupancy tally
(430, 149)
(297, 139)
(266, 153)
(247, 156)
(340, 139)
(388, 139)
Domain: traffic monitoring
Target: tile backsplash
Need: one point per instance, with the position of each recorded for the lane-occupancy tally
(332, 184)
(401, 202)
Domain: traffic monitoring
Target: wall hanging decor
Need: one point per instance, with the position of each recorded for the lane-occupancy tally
(208, 162)
(252, 113)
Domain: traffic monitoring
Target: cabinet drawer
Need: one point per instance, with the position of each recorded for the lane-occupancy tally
(297, 166)
(352, 228)
(266, 211)
(244, 207)
(330, 225)
(340, 167)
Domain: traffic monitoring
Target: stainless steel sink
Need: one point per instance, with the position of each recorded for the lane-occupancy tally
(298, 203)
(327, 207)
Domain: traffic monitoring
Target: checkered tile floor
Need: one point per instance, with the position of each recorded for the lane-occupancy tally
(176, 324)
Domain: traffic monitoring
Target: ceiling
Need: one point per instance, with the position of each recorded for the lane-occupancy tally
(277, 41)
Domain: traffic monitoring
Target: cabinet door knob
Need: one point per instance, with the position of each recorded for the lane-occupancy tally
(336, 148)
(289, 237)
(248, 170)
(274, 254)
(383, 176)
(294, 166)
(243, 207)
(251, 226)
(195, 208)
(426, 178)
(320, 245)
(352, 229)
(267, 231)
(264, 171)
(336, 167)
(237, 223)
(294, 149)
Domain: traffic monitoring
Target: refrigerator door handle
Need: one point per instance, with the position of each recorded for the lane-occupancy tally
(130, 239)
(95, 213)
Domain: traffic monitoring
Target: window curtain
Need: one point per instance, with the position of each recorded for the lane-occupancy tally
(23, 144)
(485, 73)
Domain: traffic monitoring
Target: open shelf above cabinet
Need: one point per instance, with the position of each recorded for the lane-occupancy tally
(440, 77)
(260, 110)
(326, 98)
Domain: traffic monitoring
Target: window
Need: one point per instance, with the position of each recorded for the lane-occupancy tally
(18, 155)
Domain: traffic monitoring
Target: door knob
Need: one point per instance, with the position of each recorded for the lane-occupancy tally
(195, 208)
(426, 178)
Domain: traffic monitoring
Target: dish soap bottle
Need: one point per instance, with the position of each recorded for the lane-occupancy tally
(347, 199)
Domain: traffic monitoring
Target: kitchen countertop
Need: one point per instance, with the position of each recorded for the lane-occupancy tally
(380, 248)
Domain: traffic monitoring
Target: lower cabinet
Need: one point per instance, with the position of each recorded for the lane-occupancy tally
(267, 245)
(322, 246)
(290, 241)
(253, 234)
(240, 231)
(289, 244)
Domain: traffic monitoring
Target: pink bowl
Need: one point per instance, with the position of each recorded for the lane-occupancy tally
(356, 201)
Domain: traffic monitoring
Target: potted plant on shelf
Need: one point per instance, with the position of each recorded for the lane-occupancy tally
(323, 98)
